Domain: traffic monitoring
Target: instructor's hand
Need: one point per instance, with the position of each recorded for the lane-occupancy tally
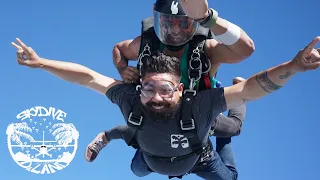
(195, 9)
(129, 74)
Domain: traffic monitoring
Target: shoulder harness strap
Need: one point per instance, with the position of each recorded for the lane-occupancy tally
(187, 123)
(199, 64)
(135, 122)
(149, 40)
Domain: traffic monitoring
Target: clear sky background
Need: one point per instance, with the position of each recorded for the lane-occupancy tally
(280, 137)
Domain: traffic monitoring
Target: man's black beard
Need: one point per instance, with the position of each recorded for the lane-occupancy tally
(166, 113)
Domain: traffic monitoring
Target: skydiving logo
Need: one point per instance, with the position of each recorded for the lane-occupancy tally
(41, 142)
(179, 140)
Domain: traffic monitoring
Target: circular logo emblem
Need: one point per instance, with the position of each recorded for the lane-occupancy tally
(41, 142)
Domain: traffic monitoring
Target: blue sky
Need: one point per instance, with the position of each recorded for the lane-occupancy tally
(279, 138)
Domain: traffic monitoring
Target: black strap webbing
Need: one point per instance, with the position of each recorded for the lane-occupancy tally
(135, 122)
(187, 122)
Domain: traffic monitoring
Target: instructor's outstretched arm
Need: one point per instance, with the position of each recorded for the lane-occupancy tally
(274, 78)
(68, 71)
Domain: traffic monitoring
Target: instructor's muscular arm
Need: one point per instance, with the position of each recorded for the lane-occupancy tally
(234, 53)
(124, 51)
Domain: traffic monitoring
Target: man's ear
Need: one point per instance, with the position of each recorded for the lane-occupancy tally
(181, 86)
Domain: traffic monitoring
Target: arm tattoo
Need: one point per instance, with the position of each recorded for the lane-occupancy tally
(266, 84)
(286, 75)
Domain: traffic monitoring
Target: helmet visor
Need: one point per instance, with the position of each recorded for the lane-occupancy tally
(174, 30)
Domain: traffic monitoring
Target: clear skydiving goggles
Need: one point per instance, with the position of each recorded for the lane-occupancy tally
(165, 89)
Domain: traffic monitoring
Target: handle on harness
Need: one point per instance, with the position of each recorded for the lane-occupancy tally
(215, 83)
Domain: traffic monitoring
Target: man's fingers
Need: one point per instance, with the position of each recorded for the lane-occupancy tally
(127, 77)
(16, 46)
(308, 49)
(314, 56)
(129, 72)
(135, 70)
(314, 65)
(20, 55)
(21, 62)
(23, 46)
(134, 77)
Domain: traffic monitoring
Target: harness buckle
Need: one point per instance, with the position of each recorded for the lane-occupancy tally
(192, 84)
(138, 87)
(135, 120)
(187, 124)
(205, 157)
(206, 153)
(194, 92)
(173, 159)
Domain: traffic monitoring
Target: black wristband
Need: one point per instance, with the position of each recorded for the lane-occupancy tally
(210, 20)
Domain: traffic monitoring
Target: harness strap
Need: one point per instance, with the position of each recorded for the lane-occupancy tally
(207, 81)
(149, 40)
(187, 122)
(145, 49)
(204, 154)
(204, 150)
(135, 122)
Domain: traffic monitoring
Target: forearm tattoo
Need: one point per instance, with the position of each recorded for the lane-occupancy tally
(286, 75)
(266, 84)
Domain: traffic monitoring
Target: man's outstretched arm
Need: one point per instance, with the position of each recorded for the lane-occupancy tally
(68, 71)
(274, 78)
